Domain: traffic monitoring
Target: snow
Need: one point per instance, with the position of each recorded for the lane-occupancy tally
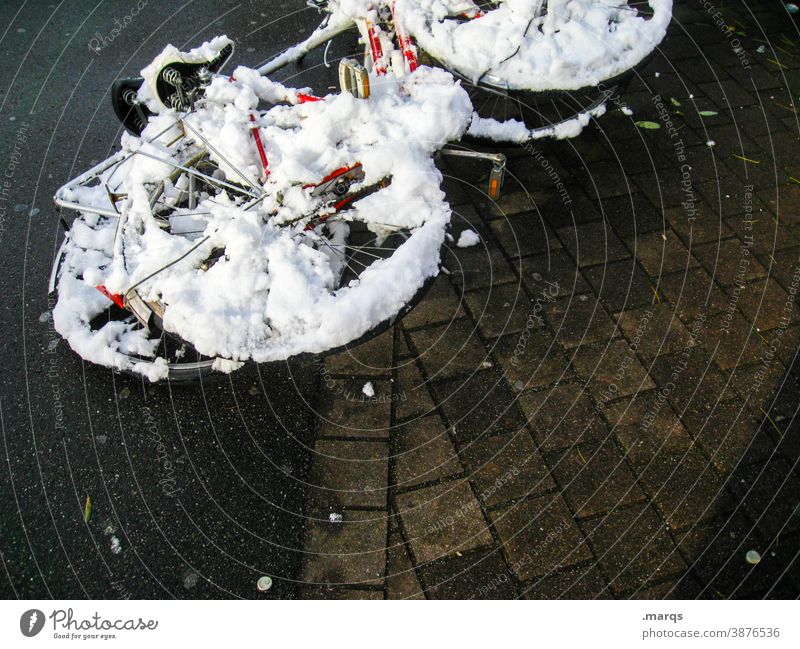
(274, 293)
(468, 239)
(572, 44)
(368, 390)
(513, 130)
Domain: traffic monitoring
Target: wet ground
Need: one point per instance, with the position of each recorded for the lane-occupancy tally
(598, 400)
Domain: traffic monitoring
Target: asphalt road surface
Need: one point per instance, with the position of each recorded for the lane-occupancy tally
(195, 491)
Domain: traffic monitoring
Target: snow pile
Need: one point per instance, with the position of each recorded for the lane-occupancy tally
(531, 45)
(274, 291)
(468, 239)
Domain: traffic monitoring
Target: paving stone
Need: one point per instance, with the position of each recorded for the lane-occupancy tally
(636, 549)
(480, 406)
(349, 474)
(582, 209)
(574, 582)
(540, 536)
(466, 216)
(350, 552)
(683, 587)
(500, 310)
(478, 574)
(647, 427)
(424, 453)
(307, 592)
(511, 203)
(592, 243)
(784, 266)
(401, 578)
(449, 350)
(631, 216)
(621, 285)
(551, 274)
(693, 293)
(729, 261)
(730, 436)
(594, 477)
(414, 397)
(765, 304)
(531, 361)
(402, 349)
(612, 370)
(653, 331)
(705, 227)
(506, 467)
(442, 520)
(770, 494)
(783, 201)
(767, 232)
(788, 347)
(662, 184)
(373, 358)
(579, 321)
(716, 551)
(562, 417)
(732, 341)
(661, 252)
(692, 384)
(524, 235)
(685, 488)
(757, 384)
(441, 304)
(478, 267)
(603, 179)
(345, 411)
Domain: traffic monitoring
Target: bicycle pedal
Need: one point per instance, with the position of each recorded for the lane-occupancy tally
(354, 78)
(496, 179)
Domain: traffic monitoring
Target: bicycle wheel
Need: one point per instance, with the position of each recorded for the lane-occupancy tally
(236, 241)
(558, 64)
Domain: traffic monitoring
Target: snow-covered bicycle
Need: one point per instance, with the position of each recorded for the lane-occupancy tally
(533, 68)
(246, 220)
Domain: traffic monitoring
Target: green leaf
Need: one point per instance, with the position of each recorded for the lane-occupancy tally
(708, 113)
(674, 101)
(650, 126)
(87, 509)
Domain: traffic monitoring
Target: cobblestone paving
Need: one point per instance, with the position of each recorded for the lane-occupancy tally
(598, 400)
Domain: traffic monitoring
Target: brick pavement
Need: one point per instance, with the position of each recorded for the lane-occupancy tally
(598, 400)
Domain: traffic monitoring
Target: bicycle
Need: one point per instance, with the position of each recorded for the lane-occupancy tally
(223, 232)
